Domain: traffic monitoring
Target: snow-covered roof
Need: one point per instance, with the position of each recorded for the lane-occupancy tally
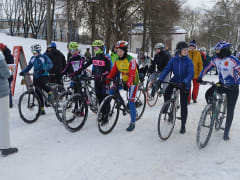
(179, 30)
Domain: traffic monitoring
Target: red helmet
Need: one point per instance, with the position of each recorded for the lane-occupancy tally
(122, 44)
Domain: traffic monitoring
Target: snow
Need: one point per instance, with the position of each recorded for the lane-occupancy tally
(47, 151)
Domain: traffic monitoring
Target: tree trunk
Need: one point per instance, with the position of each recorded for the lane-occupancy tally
(49, 23)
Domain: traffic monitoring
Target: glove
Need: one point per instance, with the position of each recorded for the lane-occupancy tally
(10, 78)
(159, 82)
(182, 86)
(199, 80)
(21, 73)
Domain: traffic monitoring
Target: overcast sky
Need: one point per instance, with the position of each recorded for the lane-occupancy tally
(200, 3)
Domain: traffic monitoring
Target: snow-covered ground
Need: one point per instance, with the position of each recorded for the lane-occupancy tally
(47, 151)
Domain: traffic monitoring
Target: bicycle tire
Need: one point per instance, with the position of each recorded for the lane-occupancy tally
(151, 100)
(140, 103)
(166, 116)
(62, 98)
(222, 114)
(113, 108)
(20, 108)
(80, 111)
(207, 113)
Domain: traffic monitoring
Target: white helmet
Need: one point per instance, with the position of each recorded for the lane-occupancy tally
(36, 47)
(203, 49)
(159, 46)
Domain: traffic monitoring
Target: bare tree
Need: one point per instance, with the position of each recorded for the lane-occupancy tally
(13, 10)
(37, 15)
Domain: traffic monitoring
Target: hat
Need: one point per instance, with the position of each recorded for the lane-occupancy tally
(2, 46)
(53, 44)
(193, 43)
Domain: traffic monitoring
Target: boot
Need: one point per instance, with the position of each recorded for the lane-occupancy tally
(131, 127)
(42, 111)
(183, 129)
(226, 136)
(9, 151)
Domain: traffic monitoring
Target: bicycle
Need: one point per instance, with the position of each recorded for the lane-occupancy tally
(75, 110)
(212, 115)
(112, 104)
(29, 104)
(167, 116)
(64, 96)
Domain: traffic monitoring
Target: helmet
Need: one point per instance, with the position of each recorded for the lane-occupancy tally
(36, 47)
(73, 46)
(221, 45)
(203, 49)
(2, 46)
(122, 44)
(97, 43)
(181, 45)
(159, 46)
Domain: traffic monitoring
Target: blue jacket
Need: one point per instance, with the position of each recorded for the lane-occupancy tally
(41, 65)
(182, 68)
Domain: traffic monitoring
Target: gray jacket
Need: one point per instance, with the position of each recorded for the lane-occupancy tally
(4, 75)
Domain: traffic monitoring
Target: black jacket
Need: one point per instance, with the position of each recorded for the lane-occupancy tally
(8, 56)
(160, 60)
(101, 66)
(58, 60)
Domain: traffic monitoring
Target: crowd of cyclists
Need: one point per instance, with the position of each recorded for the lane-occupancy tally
(187, 65)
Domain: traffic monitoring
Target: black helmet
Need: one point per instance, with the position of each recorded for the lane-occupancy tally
(181, 45)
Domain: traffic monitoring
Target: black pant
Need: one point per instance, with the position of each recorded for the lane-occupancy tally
(57, 78)
(232, 96)
(183, 101)
(100, 90)
(41, 83)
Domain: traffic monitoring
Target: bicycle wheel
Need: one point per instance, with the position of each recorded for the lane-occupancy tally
(166, 120)
(109, 108)
(29, 107)
(222, 113)
(56, 91)
(94, 104)
(152, 95)
(75, 113)
(205, 126)
(61, 100)
(140, 103)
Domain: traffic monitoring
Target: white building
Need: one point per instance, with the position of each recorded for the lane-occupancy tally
(170, 38)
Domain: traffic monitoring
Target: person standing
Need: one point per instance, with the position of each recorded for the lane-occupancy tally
(198, 66)
(182, 67)
(59, 63)
(88, 55)
(9, 60)
(4, 109)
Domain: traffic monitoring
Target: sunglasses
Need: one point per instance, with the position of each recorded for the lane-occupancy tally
(96, 48)
(73, 50)
(34, 51)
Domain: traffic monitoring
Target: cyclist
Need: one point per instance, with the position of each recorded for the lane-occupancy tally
(182, 67)
(101, 67)
(128, 68)
(160, 60)
(228, 68)
(41, 65)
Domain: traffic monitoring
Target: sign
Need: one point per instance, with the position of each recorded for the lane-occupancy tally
(19, 57)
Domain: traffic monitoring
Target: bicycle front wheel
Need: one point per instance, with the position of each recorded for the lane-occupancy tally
(61, 100)
(108, 114)
(166, 120)
(205, 126)
(29, 107)
(75, 113)
(222, 113)
(152, 95)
